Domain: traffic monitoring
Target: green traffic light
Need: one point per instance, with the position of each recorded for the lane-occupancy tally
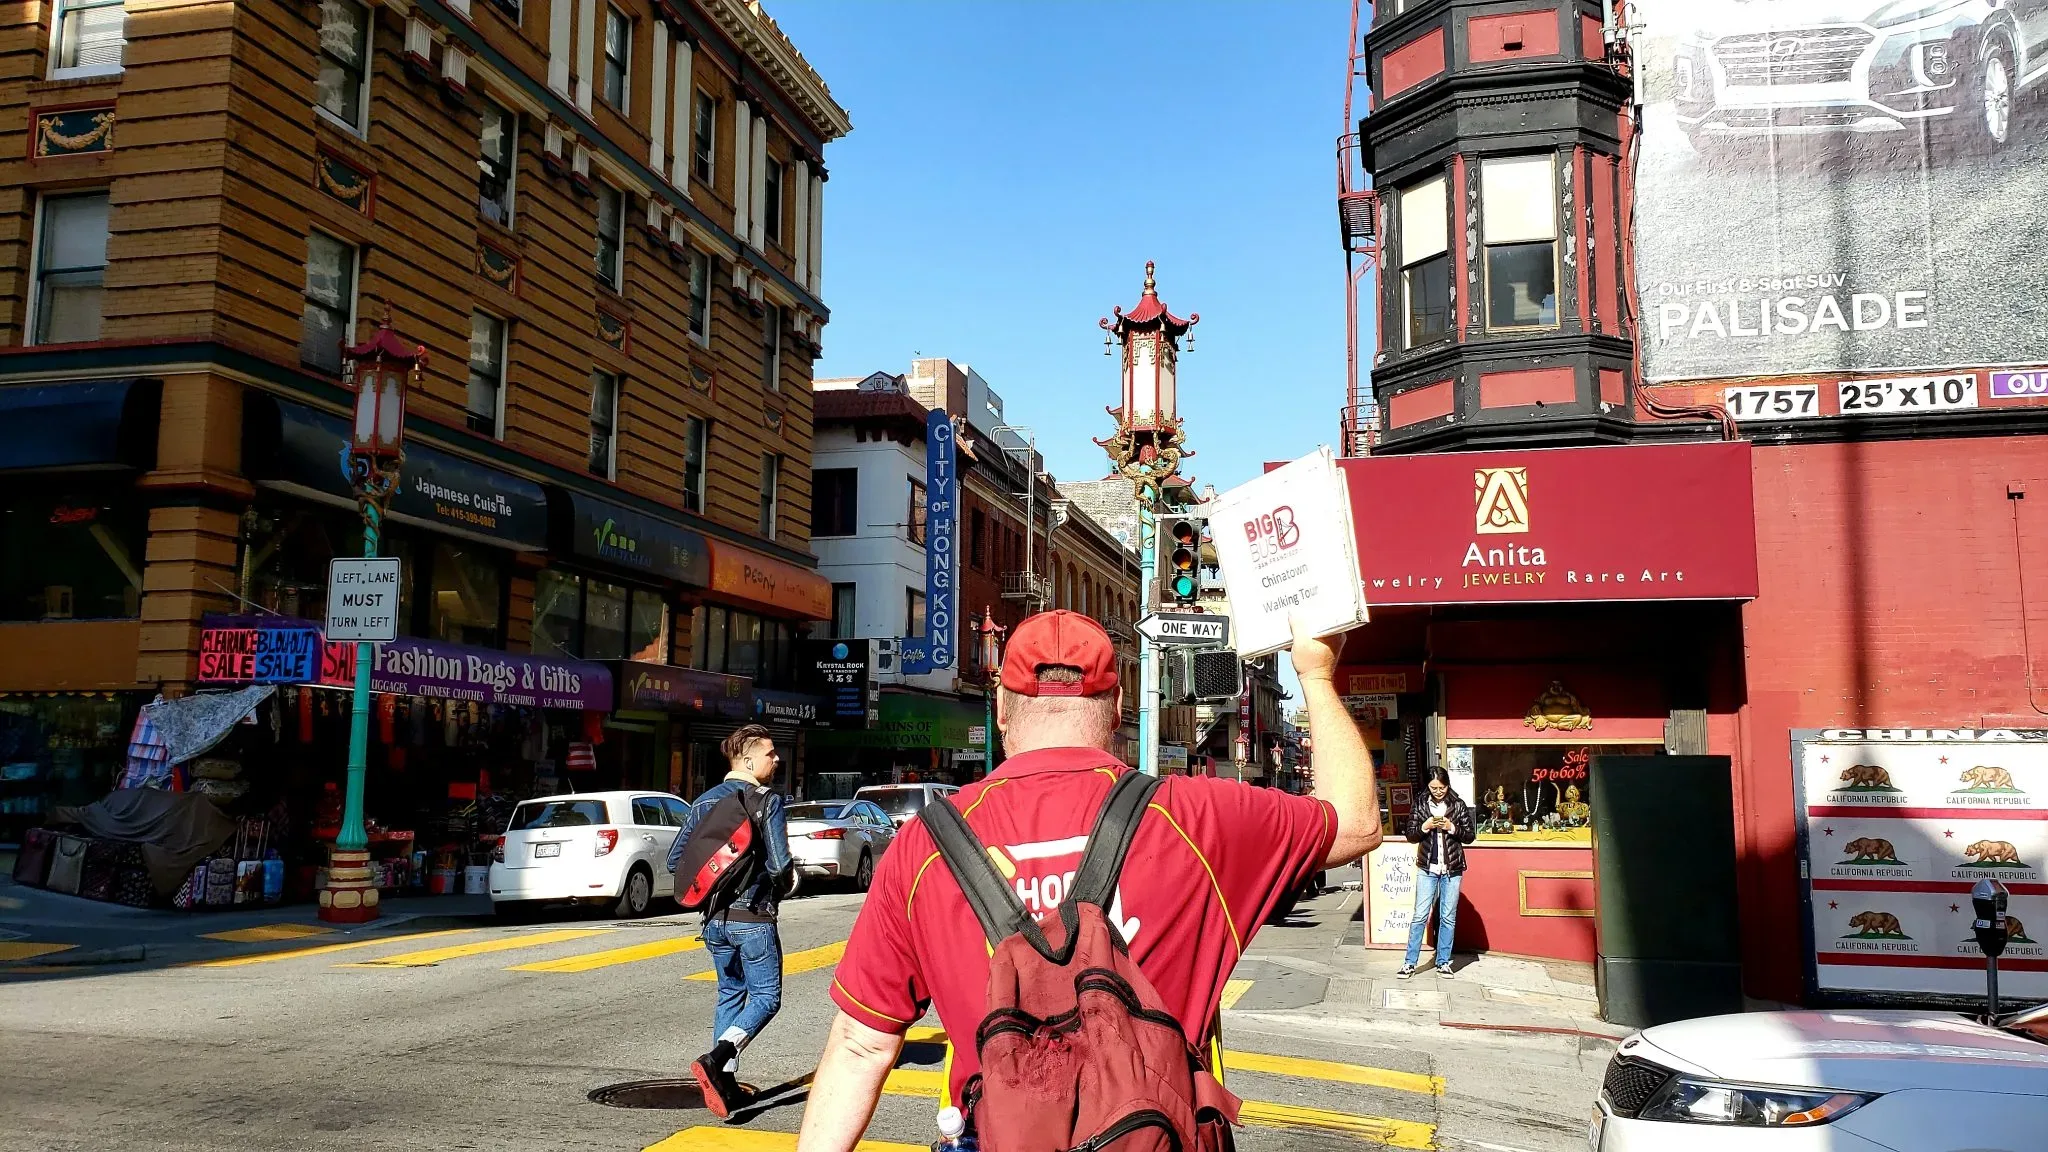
(1184, 586)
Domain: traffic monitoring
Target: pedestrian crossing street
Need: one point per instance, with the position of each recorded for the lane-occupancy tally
(1311, 1084)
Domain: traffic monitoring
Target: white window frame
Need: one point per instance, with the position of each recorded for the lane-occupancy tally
(613, 277)
(361, 125)
(698, 475)
(510, 202)
(33, 320)
(1409, 261)
(82, 71)
(708, 145)
(625, 64)
(497, 416)
(699, 321)
(1487, 244)
(770, 522)
(618, 387)
(355, 281)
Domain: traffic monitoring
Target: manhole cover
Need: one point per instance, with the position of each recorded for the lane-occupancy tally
(672, 1094)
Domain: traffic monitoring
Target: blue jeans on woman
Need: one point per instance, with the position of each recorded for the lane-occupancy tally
(748, 960)
(1442, 893)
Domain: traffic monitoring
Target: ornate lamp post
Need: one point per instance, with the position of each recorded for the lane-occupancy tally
(992, 674)
(380, 370)
(1147, 448)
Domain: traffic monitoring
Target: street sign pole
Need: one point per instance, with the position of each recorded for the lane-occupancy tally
(1148, 655)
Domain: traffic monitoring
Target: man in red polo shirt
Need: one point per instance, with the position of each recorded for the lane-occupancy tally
(1210, 861)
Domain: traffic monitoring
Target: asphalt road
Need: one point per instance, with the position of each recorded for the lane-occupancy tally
(1875, 210)
(455, 1033)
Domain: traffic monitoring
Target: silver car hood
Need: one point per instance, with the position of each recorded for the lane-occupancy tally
(1851, 1051)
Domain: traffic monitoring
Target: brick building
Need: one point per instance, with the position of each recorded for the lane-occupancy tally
(602, 220)
(1597, 523)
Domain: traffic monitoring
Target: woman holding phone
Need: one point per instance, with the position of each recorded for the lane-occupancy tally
(1440, 826)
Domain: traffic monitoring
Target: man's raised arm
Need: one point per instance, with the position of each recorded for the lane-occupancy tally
(1337, 755)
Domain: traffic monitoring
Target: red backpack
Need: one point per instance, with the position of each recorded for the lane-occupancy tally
(717, 862)
(1077, 1052)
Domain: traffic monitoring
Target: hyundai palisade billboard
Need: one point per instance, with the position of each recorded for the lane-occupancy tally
(1830, 186)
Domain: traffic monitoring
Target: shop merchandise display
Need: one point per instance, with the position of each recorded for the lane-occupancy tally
(67, 865)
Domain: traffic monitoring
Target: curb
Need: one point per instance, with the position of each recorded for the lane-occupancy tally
(124, 954)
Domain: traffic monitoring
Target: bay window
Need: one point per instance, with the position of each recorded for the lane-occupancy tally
(1518, 229)
(1426, 262)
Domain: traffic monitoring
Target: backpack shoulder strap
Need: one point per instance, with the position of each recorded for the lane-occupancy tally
(1108, 843)
(1001, 914)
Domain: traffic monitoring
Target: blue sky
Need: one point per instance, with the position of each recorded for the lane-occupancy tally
(1014, 164)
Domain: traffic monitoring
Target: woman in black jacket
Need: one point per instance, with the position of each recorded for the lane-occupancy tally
(1440, 825)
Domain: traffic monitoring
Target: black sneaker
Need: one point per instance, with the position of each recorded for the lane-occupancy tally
(1406, 971)
(1443, 970)
(722, 1093)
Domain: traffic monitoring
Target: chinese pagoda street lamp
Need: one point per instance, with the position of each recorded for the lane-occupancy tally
(379, 370)
(1146, 449)
(992, 674)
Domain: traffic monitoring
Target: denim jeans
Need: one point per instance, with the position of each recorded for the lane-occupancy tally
(1442, 892)
(748, 960)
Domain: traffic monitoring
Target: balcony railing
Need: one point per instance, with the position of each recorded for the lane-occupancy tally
(1030, 587)
(1118, 628)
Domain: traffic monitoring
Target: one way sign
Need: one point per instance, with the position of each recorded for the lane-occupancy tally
(1191, 628)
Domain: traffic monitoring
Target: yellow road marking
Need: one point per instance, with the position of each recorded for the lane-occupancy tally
(705, 1138)
(805, 961)
(915, 1082)
(1334, 1071)
(35, 970)
(1233, 991)
(265, 933)
(319, 950)
(20, 950)
(591, 961)
(1385, 1130)
(433, 956)
(925, 1036)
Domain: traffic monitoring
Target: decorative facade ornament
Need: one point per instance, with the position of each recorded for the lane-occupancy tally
(497, 266)
(615, 331)
(74, 131)
(345, 182)
(1558, 710)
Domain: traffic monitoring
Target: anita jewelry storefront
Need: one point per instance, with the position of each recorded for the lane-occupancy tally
(1608, 629)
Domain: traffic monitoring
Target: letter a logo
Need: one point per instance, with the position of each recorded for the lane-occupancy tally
(1501, 500)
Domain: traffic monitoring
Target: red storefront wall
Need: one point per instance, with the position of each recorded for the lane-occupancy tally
(1902, 586)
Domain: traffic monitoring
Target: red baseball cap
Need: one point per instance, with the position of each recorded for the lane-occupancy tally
(1064, 638)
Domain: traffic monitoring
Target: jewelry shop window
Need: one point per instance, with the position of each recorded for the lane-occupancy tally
(1537, 792)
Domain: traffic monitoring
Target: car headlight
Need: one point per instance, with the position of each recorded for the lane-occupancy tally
(1694, 1100)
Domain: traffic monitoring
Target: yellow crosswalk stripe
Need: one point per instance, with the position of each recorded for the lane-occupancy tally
(591, 961)
(265, 933)
(706, 1138)
(915, 1082)
(808, 960)
(320, 949)
(1307, 1069)
(28, 950)
(432, 956)
(1385, 1130)
(1233, 991)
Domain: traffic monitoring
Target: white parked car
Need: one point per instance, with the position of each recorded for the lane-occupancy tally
(903, 801)
(1844, 1081)
(590, 847)
(839, 838)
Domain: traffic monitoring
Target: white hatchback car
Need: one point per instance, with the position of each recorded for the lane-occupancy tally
(1844, 1081)
(589, 847)
(839, 838)
(903, 801)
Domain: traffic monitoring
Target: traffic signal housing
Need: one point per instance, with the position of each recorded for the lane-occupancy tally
(1182, 583)
(1195, 675)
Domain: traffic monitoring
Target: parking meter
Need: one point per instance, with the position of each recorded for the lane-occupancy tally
(1989, 897)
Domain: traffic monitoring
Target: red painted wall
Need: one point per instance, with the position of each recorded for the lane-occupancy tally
(1891, 578)
(1418, 404)
(1591, 42)
(1612, 389)
(1532, 31)
(1412, 63)
(1490, 916)
(1530, 386)
(1600, 255)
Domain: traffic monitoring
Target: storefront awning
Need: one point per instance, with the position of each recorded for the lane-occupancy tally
(747, 576)
(297, 449)
(687, 691)
(92, 424)
(1660, 522)
(614, 534)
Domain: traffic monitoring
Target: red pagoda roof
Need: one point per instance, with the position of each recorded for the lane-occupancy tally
(1150, 312)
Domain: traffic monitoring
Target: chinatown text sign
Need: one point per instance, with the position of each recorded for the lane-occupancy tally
(1662, 522)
